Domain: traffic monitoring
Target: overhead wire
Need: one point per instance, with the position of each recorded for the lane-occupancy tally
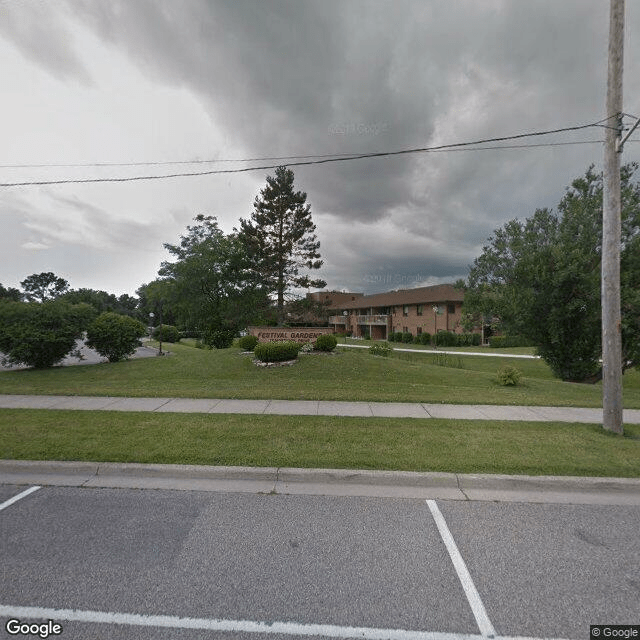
(314, 159)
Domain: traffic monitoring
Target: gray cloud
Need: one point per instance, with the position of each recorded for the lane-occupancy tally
(36, 30)
(301, 76)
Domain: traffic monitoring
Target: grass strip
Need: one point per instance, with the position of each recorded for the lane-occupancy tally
(348, 374)
(460, 446)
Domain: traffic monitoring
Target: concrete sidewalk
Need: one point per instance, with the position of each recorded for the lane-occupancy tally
(334, 482)
(314, 408)
(441, 351)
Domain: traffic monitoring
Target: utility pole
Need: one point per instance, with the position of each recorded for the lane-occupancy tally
(611, 316)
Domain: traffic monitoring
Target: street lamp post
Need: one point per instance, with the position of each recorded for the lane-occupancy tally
(151, 318)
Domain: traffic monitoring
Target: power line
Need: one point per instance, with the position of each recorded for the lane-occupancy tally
(322, 159)
(327, 155)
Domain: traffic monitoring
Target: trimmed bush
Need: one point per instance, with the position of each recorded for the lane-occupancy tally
(425, 338)
(445, 339)
(115, 337)
(248, 343)
(407, 337)
(380, 349)
(326, 342)
(219, 338)
(41, 334)
(276, 351)
(508, 376)
(166, 333)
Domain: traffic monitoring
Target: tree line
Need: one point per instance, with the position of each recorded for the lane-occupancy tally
(215, 285)
(538, 278)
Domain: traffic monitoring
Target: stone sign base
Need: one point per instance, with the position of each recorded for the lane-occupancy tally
(293, 334)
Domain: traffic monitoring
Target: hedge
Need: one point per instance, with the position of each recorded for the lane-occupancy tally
(276, 351)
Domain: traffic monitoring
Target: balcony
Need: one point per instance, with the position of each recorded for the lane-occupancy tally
(366, 320)
(372, 320)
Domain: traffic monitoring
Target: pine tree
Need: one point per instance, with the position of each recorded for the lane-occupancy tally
(280, 238)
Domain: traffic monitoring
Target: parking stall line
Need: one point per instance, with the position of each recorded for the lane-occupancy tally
(475, 602)
(234, 626)
(23, 494)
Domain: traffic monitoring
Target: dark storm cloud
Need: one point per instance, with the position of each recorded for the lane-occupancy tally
(307, 76)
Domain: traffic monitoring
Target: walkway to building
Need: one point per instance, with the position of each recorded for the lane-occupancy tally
(314, 408)
(490, 354)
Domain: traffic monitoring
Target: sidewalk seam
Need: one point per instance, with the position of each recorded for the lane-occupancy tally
(95, 475)
(460, 489)
(163, 404)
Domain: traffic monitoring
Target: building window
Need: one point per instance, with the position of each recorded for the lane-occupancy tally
(405, 330)
(451, 308)
(405, 310)
(419, 330)
(419, 309)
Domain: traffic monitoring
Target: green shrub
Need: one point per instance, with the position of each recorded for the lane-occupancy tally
(407, 337)
(114, 336)
(248, 343)
(41, 334)
(380, 349)
(166, 333)
(326, 342)
(219, 338)
(445, 339)
(276, 351)
(391, 337)
(508, 376)
(503, 342)
(425, 338)
(476, 339)
(463, 340)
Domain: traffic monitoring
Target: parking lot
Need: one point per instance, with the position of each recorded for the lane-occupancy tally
(125, 563)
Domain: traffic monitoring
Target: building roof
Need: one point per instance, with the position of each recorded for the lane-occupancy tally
(419, 295)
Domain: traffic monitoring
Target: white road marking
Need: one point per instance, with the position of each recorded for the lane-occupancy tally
(479, 612)
(10, 501)
(237, 626)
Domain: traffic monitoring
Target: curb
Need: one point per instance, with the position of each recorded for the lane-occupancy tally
(327, 482)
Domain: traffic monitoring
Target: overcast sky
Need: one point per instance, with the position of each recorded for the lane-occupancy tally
(130, 81)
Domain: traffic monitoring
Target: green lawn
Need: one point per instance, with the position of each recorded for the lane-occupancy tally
(462, 446)
(347, 374)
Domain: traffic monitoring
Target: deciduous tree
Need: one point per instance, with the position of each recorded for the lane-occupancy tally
(541, 277)
(43, 286)
(210, 284)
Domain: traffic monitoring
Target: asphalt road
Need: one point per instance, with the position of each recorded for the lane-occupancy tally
(220, 565)
(89, 356)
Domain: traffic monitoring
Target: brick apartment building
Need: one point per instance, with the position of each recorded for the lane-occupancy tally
(420, 310)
